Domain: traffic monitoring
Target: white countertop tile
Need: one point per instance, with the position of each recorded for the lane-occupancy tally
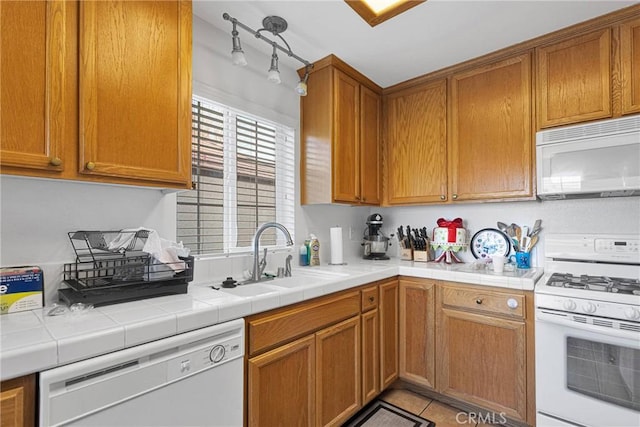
(19, 322)
(72, 348)
(32, 341)
(26, 351)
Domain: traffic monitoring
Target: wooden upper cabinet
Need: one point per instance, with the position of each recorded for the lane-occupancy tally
(490, 131)
(574, 80)
(370, 122)
(345, 158)
(416, 144)
(630, 66)
(33, 49)
(135, 90)
(340, 119)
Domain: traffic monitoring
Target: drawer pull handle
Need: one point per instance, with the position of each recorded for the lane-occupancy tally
(512, 303)
(479, 301)
(371, 299)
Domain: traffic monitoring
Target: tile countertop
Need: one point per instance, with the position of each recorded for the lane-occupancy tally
(31, 341)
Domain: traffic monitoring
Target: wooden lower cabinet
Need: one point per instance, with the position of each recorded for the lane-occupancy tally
(338, 372)
(417, 332)
(17, 402)
(484, 346)
(483, 361)
(469, 344)
(388, 312)
(314, 381)
(370, 356)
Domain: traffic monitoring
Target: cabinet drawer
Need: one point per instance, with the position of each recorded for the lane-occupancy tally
(509, 304)
(275, 329)
(369, 298)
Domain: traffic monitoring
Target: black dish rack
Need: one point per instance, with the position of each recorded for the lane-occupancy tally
(111, 267)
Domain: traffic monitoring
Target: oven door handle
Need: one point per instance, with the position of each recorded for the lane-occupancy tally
(566, 319)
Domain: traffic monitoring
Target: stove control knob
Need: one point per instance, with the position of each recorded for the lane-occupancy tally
(589, 307)
(569, 305)
(632, 313)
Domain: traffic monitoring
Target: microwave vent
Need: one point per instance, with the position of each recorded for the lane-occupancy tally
(590, 130)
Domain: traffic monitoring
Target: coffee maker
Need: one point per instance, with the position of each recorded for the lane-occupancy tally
(375, 242)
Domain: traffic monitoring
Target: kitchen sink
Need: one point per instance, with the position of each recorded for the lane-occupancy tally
(319, 272)
(250, 290)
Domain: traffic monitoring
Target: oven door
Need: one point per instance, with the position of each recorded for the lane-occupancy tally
(586, 374)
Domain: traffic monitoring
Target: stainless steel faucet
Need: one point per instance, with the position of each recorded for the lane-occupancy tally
(259, 266)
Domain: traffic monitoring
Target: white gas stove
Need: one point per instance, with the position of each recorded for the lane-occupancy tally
(588, 331)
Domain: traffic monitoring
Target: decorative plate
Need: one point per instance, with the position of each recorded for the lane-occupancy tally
(490, 241)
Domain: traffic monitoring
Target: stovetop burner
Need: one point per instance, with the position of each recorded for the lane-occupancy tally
(595, 283)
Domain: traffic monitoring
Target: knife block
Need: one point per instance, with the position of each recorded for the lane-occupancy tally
(406, 254)
(422, 256)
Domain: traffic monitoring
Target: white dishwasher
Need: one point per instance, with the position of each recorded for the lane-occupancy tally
(191, 379)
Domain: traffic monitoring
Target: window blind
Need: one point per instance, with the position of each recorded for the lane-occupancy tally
(243, 168)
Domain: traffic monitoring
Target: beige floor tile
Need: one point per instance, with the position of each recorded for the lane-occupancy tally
(446, 416)
(406, 400)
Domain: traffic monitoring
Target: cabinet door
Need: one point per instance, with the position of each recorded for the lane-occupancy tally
(33, 49)
(491, 145)
(338, 391)
(370, 356)
(369, 146)
(417, 333)
(482, 360)
(135, 90)
(281, 386)
(345, 147)
(574, 80)
(388, 333)
(416, 144)
(630, 55)
(17, 399)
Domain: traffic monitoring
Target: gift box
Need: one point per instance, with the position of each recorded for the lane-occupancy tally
(444, 235)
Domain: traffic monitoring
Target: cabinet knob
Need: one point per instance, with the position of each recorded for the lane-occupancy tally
(455, 197)
(443, 197)
(55, 161)
(478, 301)
(90, 166)
(371, 299)
(512, 303)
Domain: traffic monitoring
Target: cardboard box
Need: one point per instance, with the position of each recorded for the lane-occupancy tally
(21, 288)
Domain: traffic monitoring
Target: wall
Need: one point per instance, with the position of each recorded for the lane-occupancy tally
(37, 214)
(612, 215)
(247, 89)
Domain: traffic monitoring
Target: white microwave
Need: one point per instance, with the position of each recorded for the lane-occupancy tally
(599, 159)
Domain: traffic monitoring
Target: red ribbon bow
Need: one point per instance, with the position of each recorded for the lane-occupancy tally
(451, 225)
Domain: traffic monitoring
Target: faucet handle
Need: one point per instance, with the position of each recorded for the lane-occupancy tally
(262, 264)
(287, 268)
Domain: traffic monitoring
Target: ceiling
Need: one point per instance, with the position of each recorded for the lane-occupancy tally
(428, 37)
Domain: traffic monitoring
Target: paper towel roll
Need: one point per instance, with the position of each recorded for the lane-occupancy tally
(336, 245)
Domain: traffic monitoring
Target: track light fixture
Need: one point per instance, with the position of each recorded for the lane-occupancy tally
(275, 25)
